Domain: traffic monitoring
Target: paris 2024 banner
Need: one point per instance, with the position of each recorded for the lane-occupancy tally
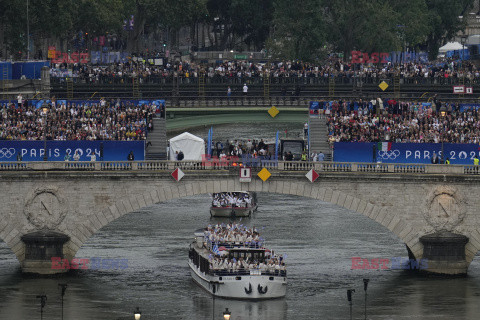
(388, 152)
(56, 150)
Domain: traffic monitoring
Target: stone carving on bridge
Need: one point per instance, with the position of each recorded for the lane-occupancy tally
(444, 209)
(45, 208)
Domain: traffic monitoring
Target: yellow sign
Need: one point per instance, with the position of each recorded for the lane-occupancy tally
(383, 86)
(264, 174)
(273, 111)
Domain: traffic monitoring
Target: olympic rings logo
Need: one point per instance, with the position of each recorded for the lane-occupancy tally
(7, 152)
(386, 155)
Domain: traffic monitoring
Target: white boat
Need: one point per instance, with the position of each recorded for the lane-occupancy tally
(231, 208)
(250, 284)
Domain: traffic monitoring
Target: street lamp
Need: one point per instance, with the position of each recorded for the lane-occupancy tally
(45, 156)
(227, 314)
(463, 40)
(349, 297)
(365, 285)
(137, 314)
(43, 302)
(443, 114)
(64, 288)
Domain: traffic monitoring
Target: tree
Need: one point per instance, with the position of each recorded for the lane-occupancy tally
(444, 21)
(299, 30)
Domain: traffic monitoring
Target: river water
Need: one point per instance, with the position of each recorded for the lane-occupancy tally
(318, 238)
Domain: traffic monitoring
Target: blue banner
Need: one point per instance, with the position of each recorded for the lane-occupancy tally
(404, 152)
(56, 150)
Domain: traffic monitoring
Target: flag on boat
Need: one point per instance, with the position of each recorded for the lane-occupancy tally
(384, 146)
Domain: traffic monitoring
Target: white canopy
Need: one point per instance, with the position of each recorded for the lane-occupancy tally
(450, 46)
(192, 146)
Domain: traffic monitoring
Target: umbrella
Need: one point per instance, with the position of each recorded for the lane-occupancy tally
(391, 102)
(222, 248)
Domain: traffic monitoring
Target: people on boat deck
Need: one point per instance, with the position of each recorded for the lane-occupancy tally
(229, 199)
(232, 233)
(272, 265)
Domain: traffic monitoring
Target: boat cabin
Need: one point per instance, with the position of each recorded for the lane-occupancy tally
(252, 254)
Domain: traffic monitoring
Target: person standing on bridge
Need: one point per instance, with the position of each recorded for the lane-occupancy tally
(435, 158)
(130, 156)
(245, 89)
(476, 161)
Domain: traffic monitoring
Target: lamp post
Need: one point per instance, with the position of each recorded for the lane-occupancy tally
(349, 297)
(28, 34)
(43, 302)
(137, 314)
(443, 114)
(64, 288)
(227, 314)
(45, 156)
(365, 285)
(463, 39)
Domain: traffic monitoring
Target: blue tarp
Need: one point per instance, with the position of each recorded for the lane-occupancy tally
(31, 70)
(405, 152)
(56, 150)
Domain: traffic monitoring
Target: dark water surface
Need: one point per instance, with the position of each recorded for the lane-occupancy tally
(318, 238)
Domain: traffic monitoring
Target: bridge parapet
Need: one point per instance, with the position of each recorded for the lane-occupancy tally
(272, 165)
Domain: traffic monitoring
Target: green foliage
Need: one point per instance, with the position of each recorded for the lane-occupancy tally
(304, 30)
(444, 21)
(299, 30)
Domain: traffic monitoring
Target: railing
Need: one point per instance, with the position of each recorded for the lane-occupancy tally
(231, 166)
(247, 272)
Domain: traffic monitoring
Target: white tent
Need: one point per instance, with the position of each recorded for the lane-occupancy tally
(451, 46)
(192, 146)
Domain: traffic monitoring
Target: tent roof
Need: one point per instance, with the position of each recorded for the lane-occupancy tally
(450, 46)
(186, 136)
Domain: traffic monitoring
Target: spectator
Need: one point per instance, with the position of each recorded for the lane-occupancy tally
(130, 156)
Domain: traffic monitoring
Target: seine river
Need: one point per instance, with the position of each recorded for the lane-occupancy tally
(318, 238)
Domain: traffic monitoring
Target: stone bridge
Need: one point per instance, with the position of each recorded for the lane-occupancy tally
(50, 209)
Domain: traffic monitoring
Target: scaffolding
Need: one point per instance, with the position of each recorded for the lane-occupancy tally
(266, 82)
(4, 82)
(396, 86)
(135, 87)
(201, 83)
(69, 88)
(331, 86)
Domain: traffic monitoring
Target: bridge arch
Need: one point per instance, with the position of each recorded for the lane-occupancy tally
(383, 215)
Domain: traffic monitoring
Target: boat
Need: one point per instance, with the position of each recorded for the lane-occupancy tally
(236, 269)
(233, 204)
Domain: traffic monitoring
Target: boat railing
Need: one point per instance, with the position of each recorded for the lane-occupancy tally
(247, 272)
(233, 245)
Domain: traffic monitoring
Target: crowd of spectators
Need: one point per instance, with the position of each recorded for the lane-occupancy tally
(238, 148)
(241, 71)
(122, 121)
(375, 121)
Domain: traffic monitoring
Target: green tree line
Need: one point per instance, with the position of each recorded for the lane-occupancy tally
(306, 30)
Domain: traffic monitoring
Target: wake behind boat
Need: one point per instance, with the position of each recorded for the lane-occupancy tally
(233, 204)
(230, 261)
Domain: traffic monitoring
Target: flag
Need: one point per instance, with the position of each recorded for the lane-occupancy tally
(384, 146)
(215, 250)
(276, 147)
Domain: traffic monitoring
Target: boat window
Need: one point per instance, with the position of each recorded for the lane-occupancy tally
(238, 278)
(270, 278)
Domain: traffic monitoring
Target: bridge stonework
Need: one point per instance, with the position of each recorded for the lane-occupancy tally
(78, 204)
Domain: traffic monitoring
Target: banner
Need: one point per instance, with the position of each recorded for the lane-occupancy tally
(56, 150)
(404, 152)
